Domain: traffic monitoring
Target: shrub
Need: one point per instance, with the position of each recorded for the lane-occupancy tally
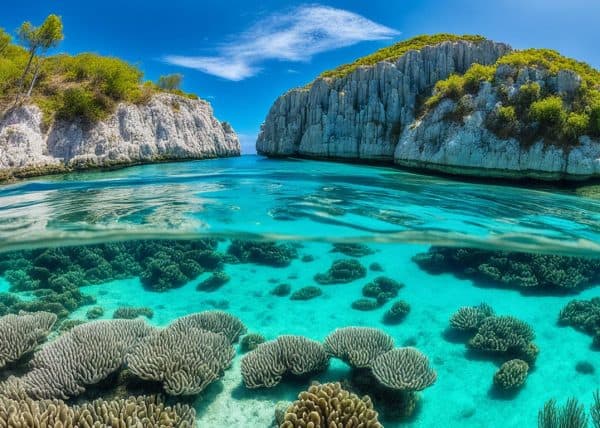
(507, 115)
(476, 74)
(594, 125)
(576, 125)
(528, 94)
(170, 82)
(549, 111)
(78, 103)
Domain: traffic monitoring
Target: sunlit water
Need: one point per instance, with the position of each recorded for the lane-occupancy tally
(312, 205)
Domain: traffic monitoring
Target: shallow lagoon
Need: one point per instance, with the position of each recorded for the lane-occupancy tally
(317, 202)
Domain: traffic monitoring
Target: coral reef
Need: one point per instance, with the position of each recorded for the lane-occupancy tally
(376, 267)
(351, 249)
(382, 288)
(396, 313)
(20, 334)
(251, 341)
(571, 415)
(583, 315)
(505, 335)
(469, 318)
(306, 293)
(83, 356)
(511, 375)
(329, 405)
(184, 361)
(524, 270)
(365, 304)
(266, 365)
(358, 346)
(215, 321)
(281, 290)
(214, 282)
(307, 258)
(130, 312)
(585, 367)
(341, 272)
(404, 369)
(143, 411)
(263, 253)
(94, 313)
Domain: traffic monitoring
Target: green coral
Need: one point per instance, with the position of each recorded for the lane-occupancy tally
(511, 375)
(263, 253)
(306, 293)
(396, 313)
(584, 315)
(251, 341)
(214, 282)
(504, 335)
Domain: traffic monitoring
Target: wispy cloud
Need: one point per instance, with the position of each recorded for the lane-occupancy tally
(296, 35)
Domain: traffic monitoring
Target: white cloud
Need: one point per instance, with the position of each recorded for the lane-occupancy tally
(293, 36)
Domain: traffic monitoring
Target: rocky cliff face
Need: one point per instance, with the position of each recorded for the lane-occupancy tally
(362, 115)
(169, 127)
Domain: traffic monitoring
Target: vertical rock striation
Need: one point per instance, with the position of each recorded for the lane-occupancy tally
(362, 115)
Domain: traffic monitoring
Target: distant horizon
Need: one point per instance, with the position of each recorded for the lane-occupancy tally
(240, 56)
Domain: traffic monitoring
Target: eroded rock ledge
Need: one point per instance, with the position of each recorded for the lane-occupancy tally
(168, 127)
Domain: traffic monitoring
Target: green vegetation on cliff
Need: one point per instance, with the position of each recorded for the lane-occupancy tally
(533, 104)
(85, 86)
(395, 51)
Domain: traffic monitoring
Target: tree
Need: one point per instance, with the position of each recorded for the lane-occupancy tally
(38, 40)
(170, 82)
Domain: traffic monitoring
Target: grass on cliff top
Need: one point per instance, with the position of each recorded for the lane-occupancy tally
(535, 111)
(395, 51)
(85, 86)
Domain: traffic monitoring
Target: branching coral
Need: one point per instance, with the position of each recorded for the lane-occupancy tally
(525, 270)
(404, 369)
(130, 312)
(251, 341)
(215, 321)
(328, 405)
(342, 271)
(511, 375)
(469, 318)
(266, 365)
(396, 313)
(584, 315)
(505, 335)
(143, 411)
(358, 346)
(264, 253)
(306, 293)
(185, 362)
(20, 334)
(83, 356)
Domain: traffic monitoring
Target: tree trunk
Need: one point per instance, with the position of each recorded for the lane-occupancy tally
(35, 76)
(22, 79)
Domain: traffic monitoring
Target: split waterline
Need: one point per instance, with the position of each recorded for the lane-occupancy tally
(127, 228)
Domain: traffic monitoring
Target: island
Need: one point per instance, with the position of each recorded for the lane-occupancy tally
(69, 112)
(455, 104)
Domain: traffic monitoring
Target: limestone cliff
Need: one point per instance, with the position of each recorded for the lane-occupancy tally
(168, 127)
(362, 115)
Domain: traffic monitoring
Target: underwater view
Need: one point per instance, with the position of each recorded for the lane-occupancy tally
(447, 307)
(283, 214)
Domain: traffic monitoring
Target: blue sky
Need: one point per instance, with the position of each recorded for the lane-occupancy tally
(240, 55)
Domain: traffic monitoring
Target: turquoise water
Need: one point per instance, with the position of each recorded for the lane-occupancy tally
(312, 205)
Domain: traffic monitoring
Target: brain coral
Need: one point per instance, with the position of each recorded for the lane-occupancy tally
(330, 406)
(184, 361)
(404, 369)
(143, 411)
(83, 356)
(266, 365)
(20, 334)
(511, 375)
(215, 321)
(358, 346)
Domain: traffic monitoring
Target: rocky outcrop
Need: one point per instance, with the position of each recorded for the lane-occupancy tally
(362, 115)
(465, 145)
(168, 127)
